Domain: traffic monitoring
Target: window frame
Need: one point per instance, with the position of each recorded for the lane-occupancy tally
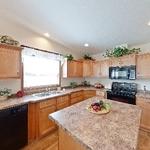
(40, 88)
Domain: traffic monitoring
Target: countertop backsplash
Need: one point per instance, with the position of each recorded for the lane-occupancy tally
(107, 82)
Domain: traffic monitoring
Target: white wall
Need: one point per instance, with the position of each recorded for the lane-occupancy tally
(30, 38)
(107, 82)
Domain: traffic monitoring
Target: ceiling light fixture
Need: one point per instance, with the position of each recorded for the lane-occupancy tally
(86, 45)
(46, 34)
(148, 23)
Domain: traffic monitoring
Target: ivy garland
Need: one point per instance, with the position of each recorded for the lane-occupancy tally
(121, 51)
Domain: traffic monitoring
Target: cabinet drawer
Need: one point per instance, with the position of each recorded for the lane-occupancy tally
(62, 99)
(88, 96)
(76, 94)
(90, 92)
(76, 99)
(62, 105)
(47, 103)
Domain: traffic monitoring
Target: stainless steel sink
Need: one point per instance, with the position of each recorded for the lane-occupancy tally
(45, 94)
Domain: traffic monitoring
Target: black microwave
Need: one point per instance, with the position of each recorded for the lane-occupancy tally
(125, 72)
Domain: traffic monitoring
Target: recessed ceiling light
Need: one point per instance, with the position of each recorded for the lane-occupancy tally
(47, 34)
(86, 45)
(148, 23)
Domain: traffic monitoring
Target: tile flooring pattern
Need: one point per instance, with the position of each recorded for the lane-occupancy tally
(50, 142)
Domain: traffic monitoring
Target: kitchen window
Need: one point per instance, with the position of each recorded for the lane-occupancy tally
(40, 68)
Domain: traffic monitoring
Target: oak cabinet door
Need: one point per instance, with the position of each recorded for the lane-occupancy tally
(104, 68)
(10, 63)
(145, 106)
(96, 69)
(62, 102)
(45, 124)
(72, 68)
(89, 93)
(127, 60)
(87, 68)
(143, 68)
(79, 69)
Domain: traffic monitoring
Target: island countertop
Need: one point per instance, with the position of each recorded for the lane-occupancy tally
(117, 130)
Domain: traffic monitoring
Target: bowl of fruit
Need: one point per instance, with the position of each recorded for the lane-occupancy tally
(99, 107)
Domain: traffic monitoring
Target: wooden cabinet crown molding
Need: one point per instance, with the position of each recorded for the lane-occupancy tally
(6, 46)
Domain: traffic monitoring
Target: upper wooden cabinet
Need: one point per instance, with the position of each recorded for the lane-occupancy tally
(104, 68)
(96, 69)
(143, 69)
(72, 68)
(10, 61)
(127, 60)
(87, 68)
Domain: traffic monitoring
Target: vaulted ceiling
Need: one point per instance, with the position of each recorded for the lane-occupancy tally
(101, 23)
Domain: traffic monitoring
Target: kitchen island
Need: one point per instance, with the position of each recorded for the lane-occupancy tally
(82, 130)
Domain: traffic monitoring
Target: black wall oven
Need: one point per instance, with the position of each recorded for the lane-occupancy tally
(125, 72)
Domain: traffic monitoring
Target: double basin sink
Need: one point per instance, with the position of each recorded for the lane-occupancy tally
(48, 93)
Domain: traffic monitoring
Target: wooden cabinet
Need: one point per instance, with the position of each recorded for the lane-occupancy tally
(10, 61)
(39, 124)
(104, 68)
(89, 94)
(45, 124)
(63, 101)
(96, 69)
(143, 69)
(127, 60)
(87, 68)
(76, 97)
(72, 68)
(145, 106)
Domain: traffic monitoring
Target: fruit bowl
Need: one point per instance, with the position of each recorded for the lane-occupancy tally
(100, 107)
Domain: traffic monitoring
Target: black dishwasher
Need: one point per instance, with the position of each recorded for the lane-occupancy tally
(14, 127)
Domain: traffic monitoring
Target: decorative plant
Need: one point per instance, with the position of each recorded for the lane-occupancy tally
(73, 84)
(88, 57)
(121, 51)
(4, 39)
(5, 92)
(69, 57)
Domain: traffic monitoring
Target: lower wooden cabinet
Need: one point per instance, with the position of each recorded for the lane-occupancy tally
(89, 93)
(76, 97)
(39, 124)
(63, 101)
(145, 106)
(45, 125)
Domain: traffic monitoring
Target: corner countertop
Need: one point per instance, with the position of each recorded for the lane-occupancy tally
(11, 102)
(117, 130)
(142, 94)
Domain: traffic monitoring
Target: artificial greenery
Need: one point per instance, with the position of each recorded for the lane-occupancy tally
(87, 57)
(121, 51)
(69, 57)
(73, 84)
(5, 92)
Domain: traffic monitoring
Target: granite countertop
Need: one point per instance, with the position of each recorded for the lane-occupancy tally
(117, 130)
(143, 94)
(33, 99)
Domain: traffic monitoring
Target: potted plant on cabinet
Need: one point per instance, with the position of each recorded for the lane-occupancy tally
(4, 93)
